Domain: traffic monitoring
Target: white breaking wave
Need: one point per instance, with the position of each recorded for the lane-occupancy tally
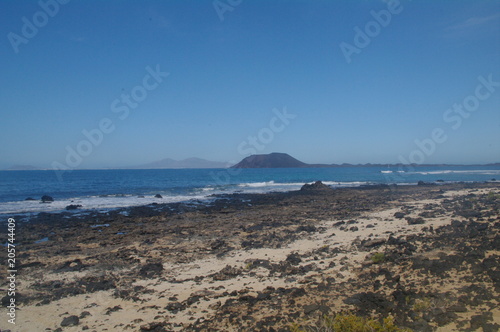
(483, 172)
(286, 186)
(90, 203)
(256, 184)
(270, 184)
(346, 184)
(389, 172)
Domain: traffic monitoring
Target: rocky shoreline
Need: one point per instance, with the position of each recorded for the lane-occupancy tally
(427, 255)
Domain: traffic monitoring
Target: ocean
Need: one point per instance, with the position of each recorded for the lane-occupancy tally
(108, 189)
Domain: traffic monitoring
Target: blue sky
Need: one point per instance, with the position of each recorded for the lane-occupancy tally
(231, 63)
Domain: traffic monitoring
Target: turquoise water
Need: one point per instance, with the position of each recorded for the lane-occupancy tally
(105, 189)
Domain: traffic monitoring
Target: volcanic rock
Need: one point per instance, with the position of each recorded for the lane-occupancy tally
(47, 198)
(70, 321)
(316, 186)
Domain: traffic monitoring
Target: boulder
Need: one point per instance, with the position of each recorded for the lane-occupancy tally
(175, 307)
(30, 199)
(158, 196)
(151, 270)
(47, 199)
(310, 308)
(415, 221)
(155, 326)
(227, 273)
(73, 206)
(293, 259)
(70, 321)
(399, 215)
(373, 243)
(316, 186)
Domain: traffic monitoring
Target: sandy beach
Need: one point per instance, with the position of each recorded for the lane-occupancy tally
(427, 255)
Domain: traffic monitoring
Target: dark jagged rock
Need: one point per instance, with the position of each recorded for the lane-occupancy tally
(70, 321)
(218, 244)
(84, 314)
(158, 196)
(399, 215)
(154, 327)
(310, 308)
(110, 310)
(373, 243)
(175, 307)
(366, 302)
(73, 207)
(30, 199)
(226, 273)
(316, 186)
(5, 301)
(293, 259)
(306, 228)
(151, 270)
(47, 199)
(482, 321)
(415, 221)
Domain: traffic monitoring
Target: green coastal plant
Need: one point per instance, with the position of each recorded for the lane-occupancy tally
(378, 257)
(491, 196)
(343, 322)
(422, 305)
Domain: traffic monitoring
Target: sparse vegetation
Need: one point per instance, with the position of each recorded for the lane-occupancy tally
(492, 196)
(343, 322)
(422, 305)
(378, 257)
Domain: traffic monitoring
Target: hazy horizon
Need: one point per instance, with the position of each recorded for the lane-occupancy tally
(92, 84)
(227, 165)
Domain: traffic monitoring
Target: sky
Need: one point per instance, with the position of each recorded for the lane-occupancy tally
(91, 84)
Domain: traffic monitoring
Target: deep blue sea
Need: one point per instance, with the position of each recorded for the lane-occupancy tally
(108, 189)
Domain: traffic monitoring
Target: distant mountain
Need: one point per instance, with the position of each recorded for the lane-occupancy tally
(22, 168)
(283, 160)
(185, 163)
(272, 160)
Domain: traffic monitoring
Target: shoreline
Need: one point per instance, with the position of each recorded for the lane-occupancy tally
(262, 261)
(151, 200)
